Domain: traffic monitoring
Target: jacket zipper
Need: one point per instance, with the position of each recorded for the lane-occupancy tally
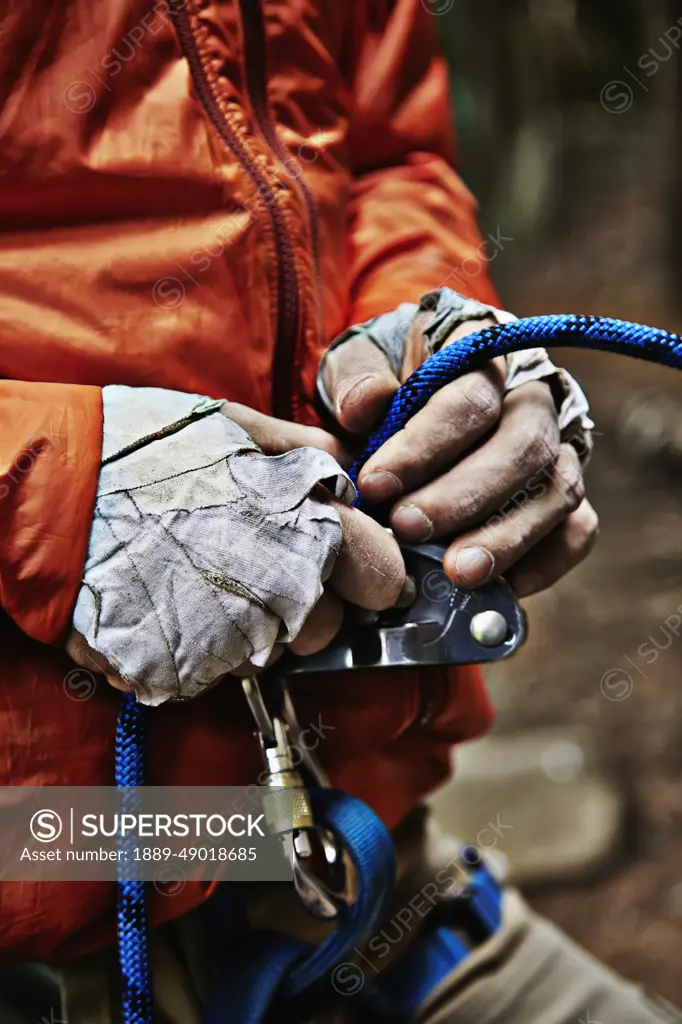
(283, 399)
(284, 402)
(254, 61)
(434, 691)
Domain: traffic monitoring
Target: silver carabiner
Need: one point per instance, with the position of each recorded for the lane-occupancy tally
(322, 872)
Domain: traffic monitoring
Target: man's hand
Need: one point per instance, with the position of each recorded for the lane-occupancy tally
(368, 570)
(486, 467)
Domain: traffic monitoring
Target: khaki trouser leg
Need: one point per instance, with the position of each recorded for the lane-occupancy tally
(531, 972)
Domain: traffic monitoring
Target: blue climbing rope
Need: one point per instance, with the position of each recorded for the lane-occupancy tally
(290, 967)
(602, 334)
(133, 946)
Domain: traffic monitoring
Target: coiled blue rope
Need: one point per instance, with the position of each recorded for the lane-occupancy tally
(599, 333)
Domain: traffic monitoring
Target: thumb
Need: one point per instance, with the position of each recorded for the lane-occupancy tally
(359, 382)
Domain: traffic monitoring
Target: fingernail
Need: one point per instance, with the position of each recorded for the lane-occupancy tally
(411, 521)
(351, 392)
(473, 565)
(381, 485)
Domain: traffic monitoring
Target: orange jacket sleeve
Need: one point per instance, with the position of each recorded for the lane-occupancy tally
(413, 221)
(50, 451)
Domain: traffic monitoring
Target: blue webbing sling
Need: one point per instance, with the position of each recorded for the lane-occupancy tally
(269, 964)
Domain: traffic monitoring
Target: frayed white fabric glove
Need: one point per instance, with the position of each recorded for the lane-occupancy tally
(203, 552)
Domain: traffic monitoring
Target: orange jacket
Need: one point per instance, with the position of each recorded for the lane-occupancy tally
(200, 196)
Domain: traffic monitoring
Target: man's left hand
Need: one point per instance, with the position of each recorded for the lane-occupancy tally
(486, 467)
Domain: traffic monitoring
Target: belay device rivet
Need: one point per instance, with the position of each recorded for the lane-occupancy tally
(434, 622)
(489, 628)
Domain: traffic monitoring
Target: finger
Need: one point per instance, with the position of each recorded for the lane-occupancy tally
(359, 382)
(470, 327)
(447, 427)
(78, 648)
(492, 549)
(559, 552)
(515, 460)
(247, 668)
(275, 436)
(369, 570)
(320, 627)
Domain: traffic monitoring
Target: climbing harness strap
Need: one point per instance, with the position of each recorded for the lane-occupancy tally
(276, 964)
(269, 962)
(457, 925)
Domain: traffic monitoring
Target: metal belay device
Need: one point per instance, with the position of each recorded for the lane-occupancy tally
(343, 857)
(435, 623)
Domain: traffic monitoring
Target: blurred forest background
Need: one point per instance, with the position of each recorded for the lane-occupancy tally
(570, 124)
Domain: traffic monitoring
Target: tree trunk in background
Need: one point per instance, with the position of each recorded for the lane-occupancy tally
(674, 15)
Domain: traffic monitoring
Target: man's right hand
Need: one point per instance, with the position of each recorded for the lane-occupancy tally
(202, 557)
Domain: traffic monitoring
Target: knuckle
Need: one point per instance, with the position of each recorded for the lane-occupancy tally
(568, 478)
(468, 505)
(517, 540)
(315, 437)
(483, 401)
(584, 527)
(538, 448)
(509, 545)
(356, 357)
